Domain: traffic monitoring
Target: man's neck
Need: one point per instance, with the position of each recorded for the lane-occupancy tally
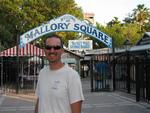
(56, 66)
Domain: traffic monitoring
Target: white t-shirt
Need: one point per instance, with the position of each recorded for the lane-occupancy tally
(58, 89)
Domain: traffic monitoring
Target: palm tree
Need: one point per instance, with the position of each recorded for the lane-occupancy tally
(114, 21)
(141, 14)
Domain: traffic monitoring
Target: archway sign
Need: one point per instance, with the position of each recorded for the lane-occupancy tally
(66, 22)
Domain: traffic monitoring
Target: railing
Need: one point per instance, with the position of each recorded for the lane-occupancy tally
(133, 75)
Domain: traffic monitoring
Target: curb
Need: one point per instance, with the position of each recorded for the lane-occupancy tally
(31, 98)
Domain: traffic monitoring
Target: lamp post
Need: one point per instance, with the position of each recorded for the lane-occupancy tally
(127, 45)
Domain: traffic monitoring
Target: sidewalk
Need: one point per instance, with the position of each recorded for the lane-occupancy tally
(111, 102)
(95, 102)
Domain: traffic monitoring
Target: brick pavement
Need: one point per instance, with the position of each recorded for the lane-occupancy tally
(111, 102)
(95, 102)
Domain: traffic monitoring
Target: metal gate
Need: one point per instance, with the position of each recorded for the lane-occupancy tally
(19, 73)
(132, 75)
(101, 78)
(20, 76)
(8, 74)
(143, 79)
(125, 77)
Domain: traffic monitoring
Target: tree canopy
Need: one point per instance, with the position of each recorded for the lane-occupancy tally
(132, 27)
(19, 16)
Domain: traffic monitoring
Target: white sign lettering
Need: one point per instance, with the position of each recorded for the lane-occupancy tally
(65, 23)
(80, 45)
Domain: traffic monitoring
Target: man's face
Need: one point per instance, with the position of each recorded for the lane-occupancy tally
(53, 50)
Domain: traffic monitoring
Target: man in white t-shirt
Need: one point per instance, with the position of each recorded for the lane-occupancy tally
(59, 88)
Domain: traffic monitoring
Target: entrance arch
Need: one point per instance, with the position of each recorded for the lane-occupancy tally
(66, 22)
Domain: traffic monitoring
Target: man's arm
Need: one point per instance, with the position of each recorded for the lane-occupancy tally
(76, 107)
(36, 106)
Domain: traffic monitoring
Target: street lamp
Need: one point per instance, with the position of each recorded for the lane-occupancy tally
(127, 45)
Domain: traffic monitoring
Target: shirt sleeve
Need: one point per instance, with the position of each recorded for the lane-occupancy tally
(75, 88)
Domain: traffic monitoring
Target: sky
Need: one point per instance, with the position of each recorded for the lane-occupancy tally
(106, 10)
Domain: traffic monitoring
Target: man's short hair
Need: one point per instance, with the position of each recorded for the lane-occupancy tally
(56, 36)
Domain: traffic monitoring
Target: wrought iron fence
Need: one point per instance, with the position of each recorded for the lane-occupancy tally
(19, 70)
(132, 74)
(101, 78)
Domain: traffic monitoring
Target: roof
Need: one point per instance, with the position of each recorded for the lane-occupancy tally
(145, 39)
(73, 53)
(27, 50)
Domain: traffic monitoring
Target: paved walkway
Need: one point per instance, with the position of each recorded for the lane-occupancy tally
(111, 102)
(97, 102)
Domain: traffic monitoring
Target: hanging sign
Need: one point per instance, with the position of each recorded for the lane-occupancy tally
(80, 45)
(65, 23)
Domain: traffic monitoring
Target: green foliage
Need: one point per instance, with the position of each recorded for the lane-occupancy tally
(132, 32)
(141, 13)
(141, 16)
(114, 31)
(19, 16)
(134, 27)
(114, 21)
(120, 32)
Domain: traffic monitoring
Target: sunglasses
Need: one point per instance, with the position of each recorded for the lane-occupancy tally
(48, 47)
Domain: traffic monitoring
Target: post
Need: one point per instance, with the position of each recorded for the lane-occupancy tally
(2, 72)
(127, 45)
(128, 72)
(113, 70)
(83, 67)
(83, 54)
(137, 80)
(91, 73)
(17, 73)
